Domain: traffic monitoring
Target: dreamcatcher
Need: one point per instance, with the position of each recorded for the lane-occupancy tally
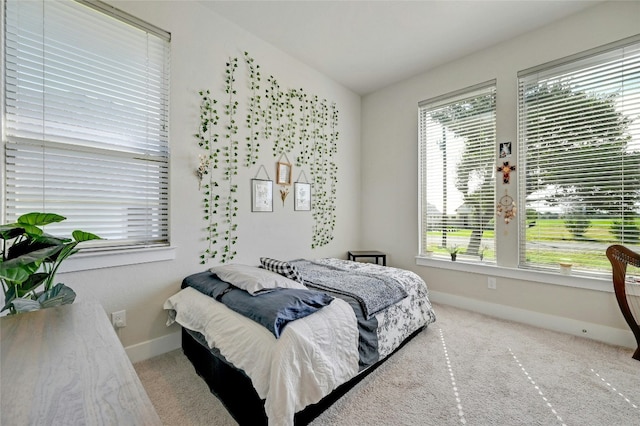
(506, 207)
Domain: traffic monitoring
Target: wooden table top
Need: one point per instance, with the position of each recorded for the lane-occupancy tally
(66, 366)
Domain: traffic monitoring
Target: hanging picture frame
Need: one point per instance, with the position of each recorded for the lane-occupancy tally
(283, 175)
(261, 195)
(301, 196)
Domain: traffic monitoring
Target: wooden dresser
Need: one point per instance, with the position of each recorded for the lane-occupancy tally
(66, 366)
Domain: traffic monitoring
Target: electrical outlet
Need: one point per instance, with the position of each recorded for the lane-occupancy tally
(119, 319)
(491, 283)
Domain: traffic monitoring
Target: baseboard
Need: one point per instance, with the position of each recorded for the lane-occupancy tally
(602, 333)
(613, 336)
(154, 347)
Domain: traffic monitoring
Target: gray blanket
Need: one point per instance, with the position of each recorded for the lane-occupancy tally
(374, 293)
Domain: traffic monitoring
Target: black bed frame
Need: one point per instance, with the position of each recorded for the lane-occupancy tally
(234, 389)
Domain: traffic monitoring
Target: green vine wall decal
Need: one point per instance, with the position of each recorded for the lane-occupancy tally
(304, 120)
(323, 204)
(208, 139)
(230, 153)
(275, 108)
(254, 112)
(317, 150)
(290, 127)
(287, 121)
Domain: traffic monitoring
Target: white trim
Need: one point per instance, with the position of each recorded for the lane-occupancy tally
(109, 10)
(457, 95)
(493, 270)
(154, 347)
(613, 336)
(109, 258)
(602, 333)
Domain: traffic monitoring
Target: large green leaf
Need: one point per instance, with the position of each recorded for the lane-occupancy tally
(10, 231)
(31, 245)
(81, 236)
(67, 250)
(29, 257)
(19, 268)
(60, 294)
(31, 283)
(50, 239)
(25, 305)
(15, 273)
(32, 221)
(40, 219)
(17, 290)
(9, 296)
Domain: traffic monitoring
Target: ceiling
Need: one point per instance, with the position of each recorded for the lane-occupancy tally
(367, 45)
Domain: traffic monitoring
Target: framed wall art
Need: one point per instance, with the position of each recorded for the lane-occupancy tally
(505, 149)
(261, 195)
(283, 175)
(301, 196)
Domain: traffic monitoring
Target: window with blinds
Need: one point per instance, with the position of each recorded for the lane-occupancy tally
(579, 139)
(86, 120)
(457, 148)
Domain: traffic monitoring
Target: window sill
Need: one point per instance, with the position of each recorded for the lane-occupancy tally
(112, 258)
(544, 277)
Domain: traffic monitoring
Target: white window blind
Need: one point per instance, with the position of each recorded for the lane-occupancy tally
(579, 138)
(457, 147)
(86, 114)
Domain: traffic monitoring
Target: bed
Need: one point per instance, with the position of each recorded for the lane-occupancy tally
(286, 368)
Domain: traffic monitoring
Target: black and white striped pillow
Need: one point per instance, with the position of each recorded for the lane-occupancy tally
(283, 268)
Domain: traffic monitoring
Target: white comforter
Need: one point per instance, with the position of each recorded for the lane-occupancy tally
(313, 356)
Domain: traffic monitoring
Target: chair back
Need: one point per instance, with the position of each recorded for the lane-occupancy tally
(627, 288)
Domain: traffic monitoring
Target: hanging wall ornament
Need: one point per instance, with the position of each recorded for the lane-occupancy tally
(283, 176)
(284, 191)
(506, 207)
(203, 169)
(506, 170)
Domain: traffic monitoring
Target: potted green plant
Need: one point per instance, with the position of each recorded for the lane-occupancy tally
(453, 251)
(481, 251)
(31, 258)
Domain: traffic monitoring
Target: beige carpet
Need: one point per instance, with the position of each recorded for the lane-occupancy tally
(466, 368)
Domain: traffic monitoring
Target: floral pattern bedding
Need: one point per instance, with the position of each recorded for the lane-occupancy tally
(397, 322)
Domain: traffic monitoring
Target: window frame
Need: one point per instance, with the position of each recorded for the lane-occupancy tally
(473, 92)
(555, 70)
(113, 252)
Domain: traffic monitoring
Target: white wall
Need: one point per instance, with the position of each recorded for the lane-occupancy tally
(201, 44)
(390, 180)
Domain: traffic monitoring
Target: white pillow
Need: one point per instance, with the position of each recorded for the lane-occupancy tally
(252, 278)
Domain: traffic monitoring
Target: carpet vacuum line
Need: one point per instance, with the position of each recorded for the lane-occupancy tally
(544, 398)
(453, 379)
(614, 389)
